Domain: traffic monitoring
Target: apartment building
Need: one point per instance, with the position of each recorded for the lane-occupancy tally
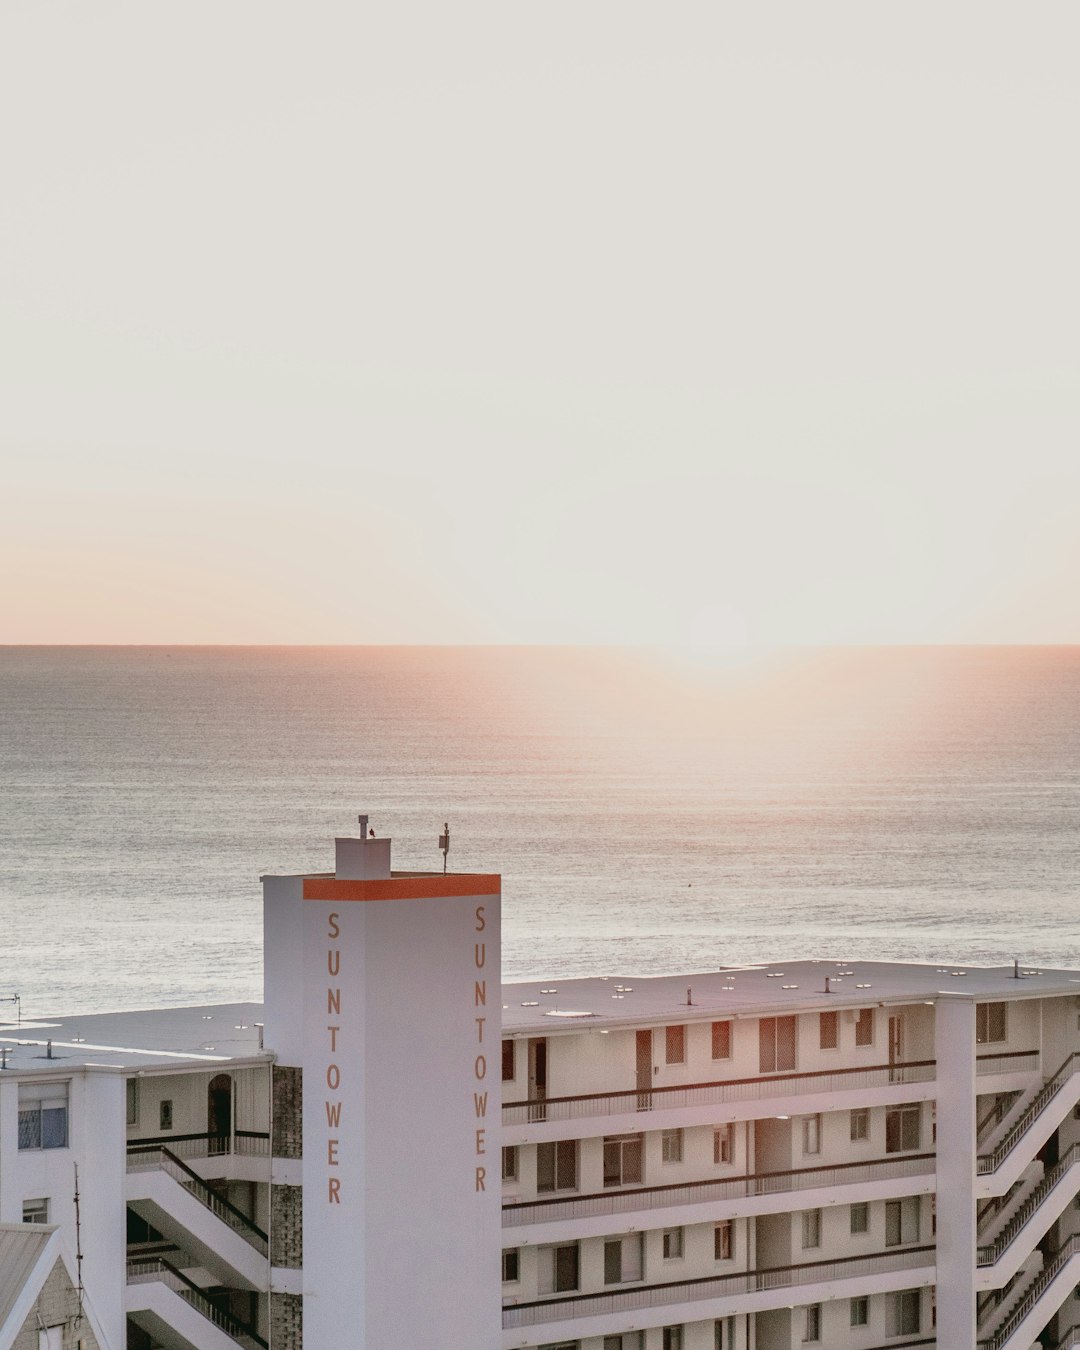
(847, 1155)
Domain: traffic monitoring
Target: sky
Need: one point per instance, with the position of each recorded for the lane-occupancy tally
(699, 323)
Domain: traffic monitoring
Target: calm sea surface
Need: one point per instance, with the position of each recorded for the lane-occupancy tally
(647, 813)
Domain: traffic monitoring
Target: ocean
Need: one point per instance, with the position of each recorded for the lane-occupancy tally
(649, 811)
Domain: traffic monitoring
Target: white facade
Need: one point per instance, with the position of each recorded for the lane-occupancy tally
(852, 1156)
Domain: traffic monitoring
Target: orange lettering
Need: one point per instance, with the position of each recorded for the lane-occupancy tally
(480, 1140)
(480, 1103)
(480, 994)
(333, 1114)
(481, 922)
(333, 961)
(480, 1067)
(335, 931)
(333, 1038)
(333, 1077)
(481, 1173)
(335, 1190)
(333, 1001)
(480, 954)
(331, 1153)
(480, 1029)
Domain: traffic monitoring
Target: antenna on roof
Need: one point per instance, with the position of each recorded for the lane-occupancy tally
(14, 998)
(78, 1246)
(444, 844)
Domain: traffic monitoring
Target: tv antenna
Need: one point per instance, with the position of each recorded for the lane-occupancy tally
(444, 844)
(14, 998)
(78, 1246)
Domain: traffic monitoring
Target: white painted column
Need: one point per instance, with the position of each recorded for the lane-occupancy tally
(956, 1149)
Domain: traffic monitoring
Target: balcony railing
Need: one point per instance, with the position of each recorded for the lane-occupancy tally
(990, 1254)
(717, 1286)
(240, 1144)
(1045, 1278)
(990, 1162)
(603, 1203)
(161, 1271)
(750, 1089)
(155, 1157)
(1068, 1340)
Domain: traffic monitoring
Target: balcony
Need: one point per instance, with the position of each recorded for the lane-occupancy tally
(730, 1091)
(778, 1278)
(605, 1204)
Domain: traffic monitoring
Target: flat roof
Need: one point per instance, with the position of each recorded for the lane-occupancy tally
(540, 1007)
(158, 1038)
(197, 1037)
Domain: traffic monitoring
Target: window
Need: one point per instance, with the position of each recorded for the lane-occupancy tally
(623, 1159)
(902, 1128)
(828, 1032)
(35, 1211)
(629, 1340)
(860, 1312)
(165, 1115)
(901, 1221)
(904, 1314)
(133, 1101)
(860, 1124)
(723, 1144)
(43, 1115)
(671, 1145)
(990, 1022)
(558, 1268)
(675, 1045)
(724, 1240)
(860, 1218)
(556, 1166)
(724, 1334)
(776, 1044)
(721, 1040)
(812, 1322)
(811, 1228)
(671, 1338)
(623, 1259)
(864, 1027)
(673, 1243)
(811, 1134)
(511, 1266)
(510, 1162)
(508, 1061)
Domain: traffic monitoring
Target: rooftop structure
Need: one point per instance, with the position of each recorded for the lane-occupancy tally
(851, 1155)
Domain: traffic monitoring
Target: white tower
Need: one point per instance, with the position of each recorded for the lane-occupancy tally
(385, 989)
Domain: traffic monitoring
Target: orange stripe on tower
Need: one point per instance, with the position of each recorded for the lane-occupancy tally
(403, 888)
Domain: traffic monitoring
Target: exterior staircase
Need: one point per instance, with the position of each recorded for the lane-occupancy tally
(178, 1314)
(189, 1212)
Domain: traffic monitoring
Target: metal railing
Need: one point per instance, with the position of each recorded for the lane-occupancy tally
(155, 1157)
(715, 1286)
(990, 1162)
(1043, 1280)
(719, 1091)
(988, 1255)
(1003, 1104)
(1068, 1340)
(160, 1271)
(240, 1144)
(603, 1203)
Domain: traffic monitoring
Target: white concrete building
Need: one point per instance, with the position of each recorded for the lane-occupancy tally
(856, 1156)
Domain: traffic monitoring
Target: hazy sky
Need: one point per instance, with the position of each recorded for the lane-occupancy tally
(561, 322)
